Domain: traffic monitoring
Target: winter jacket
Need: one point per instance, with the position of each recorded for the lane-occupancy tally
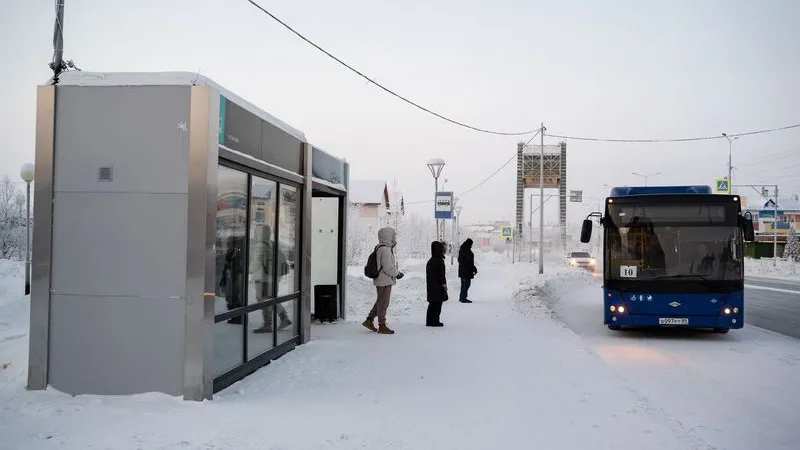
(261, 257)
(435, 278)
(466, 261)
(385, 257)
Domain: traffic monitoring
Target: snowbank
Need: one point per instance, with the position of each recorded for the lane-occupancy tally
(14, 322)
(770, 268)
(534, 295)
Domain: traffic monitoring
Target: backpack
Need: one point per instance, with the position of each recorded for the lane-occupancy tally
(371, 269)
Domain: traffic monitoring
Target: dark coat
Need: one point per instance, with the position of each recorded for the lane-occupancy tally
(466, 261)
(435, 277)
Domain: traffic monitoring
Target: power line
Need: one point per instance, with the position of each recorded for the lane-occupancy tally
(690, 139)
(768, 158)
(487, 178)
(362, 75)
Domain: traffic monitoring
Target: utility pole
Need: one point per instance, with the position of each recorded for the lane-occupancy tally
(730, 161)
(541, 200)
(775, 231)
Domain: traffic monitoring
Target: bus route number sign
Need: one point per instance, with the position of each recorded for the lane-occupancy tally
(627, 271)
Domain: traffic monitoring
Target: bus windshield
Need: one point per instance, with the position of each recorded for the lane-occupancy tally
(673, 242)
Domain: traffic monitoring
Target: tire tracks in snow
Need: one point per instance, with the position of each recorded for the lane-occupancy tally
(540, 300)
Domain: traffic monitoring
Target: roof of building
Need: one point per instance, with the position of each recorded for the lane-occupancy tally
(756, 202)
(80, 78)
(368, 192)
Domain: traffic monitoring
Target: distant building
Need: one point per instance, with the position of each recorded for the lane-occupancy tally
(369, 200)
(764, 223)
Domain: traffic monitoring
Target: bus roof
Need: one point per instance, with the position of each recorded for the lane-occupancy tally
(626, 191)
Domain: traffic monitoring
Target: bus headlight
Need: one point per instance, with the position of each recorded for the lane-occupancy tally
(735, 309)
(726, 311)
(621, 309)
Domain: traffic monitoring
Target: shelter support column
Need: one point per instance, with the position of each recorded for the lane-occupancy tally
(305, 248)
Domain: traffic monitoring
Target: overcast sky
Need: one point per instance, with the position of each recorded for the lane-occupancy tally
(613, 69)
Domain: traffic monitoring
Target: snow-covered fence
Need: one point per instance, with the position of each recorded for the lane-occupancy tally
(772, 268)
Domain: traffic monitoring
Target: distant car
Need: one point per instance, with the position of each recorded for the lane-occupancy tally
(581, 259)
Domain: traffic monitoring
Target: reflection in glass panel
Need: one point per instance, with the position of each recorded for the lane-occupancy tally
(290, 331)
(228, 347)
(260, 332)
(287, 240)
(262, 239)
(231, 233)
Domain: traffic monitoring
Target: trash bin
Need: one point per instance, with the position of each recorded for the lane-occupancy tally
(326, 304)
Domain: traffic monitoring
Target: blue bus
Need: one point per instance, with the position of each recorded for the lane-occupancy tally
(673, 256)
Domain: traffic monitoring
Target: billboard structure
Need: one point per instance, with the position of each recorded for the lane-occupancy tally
(554, 167)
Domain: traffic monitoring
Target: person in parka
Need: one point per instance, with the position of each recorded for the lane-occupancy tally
(466, 269)
(436, 282)
(389, 274)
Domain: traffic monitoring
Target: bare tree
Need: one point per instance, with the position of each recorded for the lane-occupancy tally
(12, 220)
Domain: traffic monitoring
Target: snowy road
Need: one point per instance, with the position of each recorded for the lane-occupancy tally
(734, 391)
(773, 304)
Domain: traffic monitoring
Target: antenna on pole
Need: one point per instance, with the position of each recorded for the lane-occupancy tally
(58, 64)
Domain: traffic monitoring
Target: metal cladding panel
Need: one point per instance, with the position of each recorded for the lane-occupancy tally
(115, 244)
(325, 166)
(116, 345)
(119, 233)
(658, 190)
(42, 233)
(245, 132)
(122, 139)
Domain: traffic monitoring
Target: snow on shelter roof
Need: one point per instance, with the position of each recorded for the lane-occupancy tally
(80, 78)
(367, 192)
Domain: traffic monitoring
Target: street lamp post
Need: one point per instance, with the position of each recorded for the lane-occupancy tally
(26, 172)
(646, 176)
(456, 231)
(730, 161)
(436, 165)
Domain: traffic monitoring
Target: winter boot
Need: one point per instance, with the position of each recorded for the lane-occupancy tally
(284, 323)
(264, 329)
(383, 329)
(369, 324)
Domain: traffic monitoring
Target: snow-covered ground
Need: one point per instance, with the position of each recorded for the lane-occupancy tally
(528, 365)
(733, 391)
(770, 268)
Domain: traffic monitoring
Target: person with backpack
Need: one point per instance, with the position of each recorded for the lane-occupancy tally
(466, 269)
(382, 268)
(436, 282)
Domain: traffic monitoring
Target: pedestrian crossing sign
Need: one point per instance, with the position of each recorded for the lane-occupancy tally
(723, 186)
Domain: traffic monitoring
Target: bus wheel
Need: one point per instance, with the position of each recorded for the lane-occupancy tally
(721, 330)
(614, 327)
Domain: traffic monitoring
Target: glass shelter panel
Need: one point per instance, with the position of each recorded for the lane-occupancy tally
(263, 204)
(287, 241)
(231, 229)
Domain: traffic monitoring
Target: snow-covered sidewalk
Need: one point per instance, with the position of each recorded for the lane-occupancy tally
(500, 374)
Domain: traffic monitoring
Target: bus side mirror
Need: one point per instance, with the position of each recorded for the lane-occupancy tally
(747, 229)
(586, 231)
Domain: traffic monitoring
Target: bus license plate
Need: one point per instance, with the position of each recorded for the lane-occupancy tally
(673, 321)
